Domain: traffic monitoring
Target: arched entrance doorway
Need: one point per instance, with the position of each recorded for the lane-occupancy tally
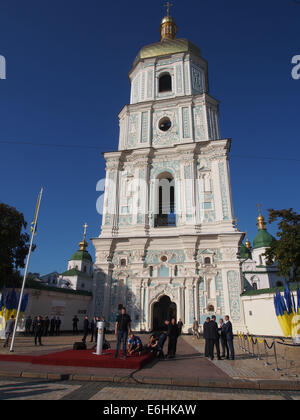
(163, 310)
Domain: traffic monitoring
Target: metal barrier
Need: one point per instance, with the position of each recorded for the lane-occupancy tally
(245, 340)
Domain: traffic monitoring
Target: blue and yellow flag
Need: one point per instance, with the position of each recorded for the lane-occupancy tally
(24, 305)
(286, 309)
(11, 304)
(2, 302)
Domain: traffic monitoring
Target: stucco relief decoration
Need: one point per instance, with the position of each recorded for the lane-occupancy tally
(200, 131)
(133, 130)
(138, 255)
(172, 166)
(161, 290)
(197, 79)
(234, 295)
(169, 137)
(173, 257)
(224, 193)
(191, 253)
(229, 254)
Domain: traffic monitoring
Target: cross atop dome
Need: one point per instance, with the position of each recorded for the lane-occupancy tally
(260, 220)
(168, 5)
(168, 27)
(83, 244)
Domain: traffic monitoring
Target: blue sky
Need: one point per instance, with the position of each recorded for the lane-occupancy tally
(67, 67)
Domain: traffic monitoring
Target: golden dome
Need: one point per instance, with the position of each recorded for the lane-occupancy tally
(83, 245)
(261, 224)
(167, 19)
(168, 28)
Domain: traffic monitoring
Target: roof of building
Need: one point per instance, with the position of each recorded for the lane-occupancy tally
(263, 239)
(81, 255)
(167, 47)
(74, 272)
(245, 253)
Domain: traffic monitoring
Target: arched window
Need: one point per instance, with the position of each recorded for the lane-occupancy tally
(165, 83)
(211, 308)
(207, 260)
(176, 270)
(165, 201)
(151, 271)
(123, 262)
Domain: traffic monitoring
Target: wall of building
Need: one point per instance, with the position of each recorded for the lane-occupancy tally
(260, 317)
(65, 305)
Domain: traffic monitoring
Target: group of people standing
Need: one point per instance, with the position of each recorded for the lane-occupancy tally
(46, 326)
(89, 327)
(213, 334)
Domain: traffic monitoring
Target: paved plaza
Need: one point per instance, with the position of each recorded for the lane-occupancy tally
(22, 389)
(190, 376)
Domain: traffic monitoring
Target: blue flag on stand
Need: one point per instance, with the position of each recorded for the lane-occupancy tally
(24, 303)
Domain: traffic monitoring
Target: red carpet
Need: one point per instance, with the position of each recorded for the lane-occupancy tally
(83, 358)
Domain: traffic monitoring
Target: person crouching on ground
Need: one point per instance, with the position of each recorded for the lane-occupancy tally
(135, 345)
(152, 345)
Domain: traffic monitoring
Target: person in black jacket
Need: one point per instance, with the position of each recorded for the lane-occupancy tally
(38, 331)
(86, 327)
(52, 326)
(75, 324)
(94, 329)
(57, 326)
(206, 336)
(173, 334)
(223, 339)
(46, 326)
(229, 336)
(215, 338)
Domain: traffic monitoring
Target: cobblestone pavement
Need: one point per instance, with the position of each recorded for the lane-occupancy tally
(245, 366)
(22, 389)
(248, 366)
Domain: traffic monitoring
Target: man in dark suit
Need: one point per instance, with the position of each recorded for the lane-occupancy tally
(9, 329)
(57, 326)
(173, 334)
(215, 339)
(75, 325)
(206, 336)
(228, 332)
(38, 331)
(52, 325)
(94, 329)
(46, 326)
(223, 339)
(86, 326)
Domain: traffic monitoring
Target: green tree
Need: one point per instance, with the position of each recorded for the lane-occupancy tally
(14, 245)
(286, 249)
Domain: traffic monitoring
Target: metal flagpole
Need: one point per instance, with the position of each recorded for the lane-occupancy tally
(26, 268)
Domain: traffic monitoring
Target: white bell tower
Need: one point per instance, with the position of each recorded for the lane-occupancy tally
(168, 230)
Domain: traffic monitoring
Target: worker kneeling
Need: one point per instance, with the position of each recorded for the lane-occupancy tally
(135, 345)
